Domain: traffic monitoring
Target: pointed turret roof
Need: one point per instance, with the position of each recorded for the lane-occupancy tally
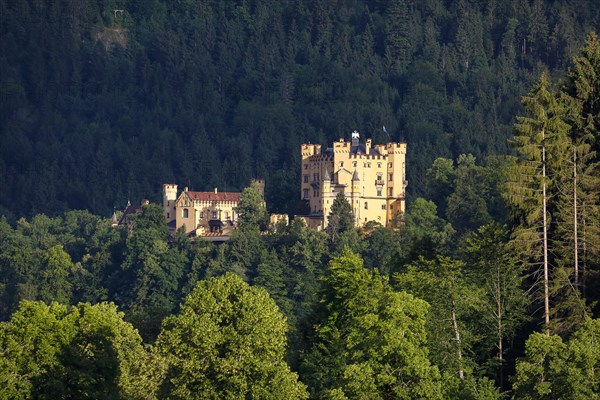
(355, 176)
(326, 177)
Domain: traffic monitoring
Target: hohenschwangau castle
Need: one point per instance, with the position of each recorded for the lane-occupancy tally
(372, 178)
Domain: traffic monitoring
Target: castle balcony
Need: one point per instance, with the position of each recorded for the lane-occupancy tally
(379, 182)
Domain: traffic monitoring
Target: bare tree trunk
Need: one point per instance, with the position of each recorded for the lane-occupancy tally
(545, 227)
(499, 326)
(584, 261)
(575, 238)
(461, 372)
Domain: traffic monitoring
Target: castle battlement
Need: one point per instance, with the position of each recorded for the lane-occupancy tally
(371, 176)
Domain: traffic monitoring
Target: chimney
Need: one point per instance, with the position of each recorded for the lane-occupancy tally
(186, 189)
(215, 190)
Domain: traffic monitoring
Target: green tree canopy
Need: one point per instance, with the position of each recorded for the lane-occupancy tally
(370, 340)
(86, 351)
(340, 225)
(252, 211)
(228, 341)
(553, 369)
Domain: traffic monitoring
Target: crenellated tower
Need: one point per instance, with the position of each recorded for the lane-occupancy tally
(169, 201)
(371, 176)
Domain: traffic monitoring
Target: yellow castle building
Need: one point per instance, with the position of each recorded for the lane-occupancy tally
(201, 213)
(371, 177)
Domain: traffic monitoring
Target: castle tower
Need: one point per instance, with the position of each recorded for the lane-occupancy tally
(371, 176)
(261, 185)
(169, 199)
(355, 138)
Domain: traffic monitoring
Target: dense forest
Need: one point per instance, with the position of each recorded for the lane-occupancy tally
(104, 101)
(489, 289)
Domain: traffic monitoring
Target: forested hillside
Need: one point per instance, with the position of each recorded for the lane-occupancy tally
(103, 101)
(488, 289)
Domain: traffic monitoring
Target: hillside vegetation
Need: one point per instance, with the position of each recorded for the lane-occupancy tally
(101, 106)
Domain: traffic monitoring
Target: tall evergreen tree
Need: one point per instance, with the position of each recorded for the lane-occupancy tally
(579, 221)
(528, 190)
(341, 217)
(491, 265)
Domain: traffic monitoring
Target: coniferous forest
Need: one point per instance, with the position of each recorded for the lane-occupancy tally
(489, 289)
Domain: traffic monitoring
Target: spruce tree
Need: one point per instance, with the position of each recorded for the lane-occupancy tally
(538, 136)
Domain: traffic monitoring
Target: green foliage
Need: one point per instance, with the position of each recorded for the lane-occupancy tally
(492, 266)
(382, 249)
(52, 351)
(362, 349)
(467, 205)
(149, 280)
(440, 182)
(227, 341)
(54, 280)
(340, 218)
(424, 233)
(454, 304)
(445, 77)
(99, 107)
(252, 212)
(553, 369)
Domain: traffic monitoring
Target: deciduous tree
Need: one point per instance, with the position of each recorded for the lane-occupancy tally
(228, 341)
(370, 340)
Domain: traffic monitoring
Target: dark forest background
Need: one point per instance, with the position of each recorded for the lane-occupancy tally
(100, 106)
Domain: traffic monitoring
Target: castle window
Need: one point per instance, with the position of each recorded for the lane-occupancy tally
(305, 166)
(378, 165)
(383, 206)
(201, 214)
(168, 215)
(305, 178)
(214, 215)
(186, 213)
(366, 205)
(390, 192)
(227, 215)
(305, 194)
(341, 163)
(391, 177)
(354, 164)
(378, 191)
(389, 165)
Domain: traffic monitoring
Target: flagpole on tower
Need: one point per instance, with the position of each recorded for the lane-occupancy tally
(386, 132)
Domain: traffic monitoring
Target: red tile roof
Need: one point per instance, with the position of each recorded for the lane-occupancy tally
(212, 196)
